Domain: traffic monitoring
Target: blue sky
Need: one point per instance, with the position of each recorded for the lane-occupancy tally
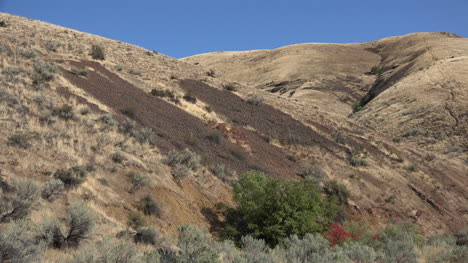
(183, 28)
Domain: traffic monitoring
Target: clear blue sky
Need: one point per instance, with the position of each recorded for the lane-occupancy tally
(183, 28)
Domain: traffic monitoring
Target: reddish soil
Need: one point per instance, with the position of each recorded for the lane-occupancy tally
(177, 129)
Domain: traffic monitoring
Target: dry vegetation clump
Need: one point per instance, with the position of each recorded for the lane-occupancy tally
(255, 99)
(97, 52)
(149, 207)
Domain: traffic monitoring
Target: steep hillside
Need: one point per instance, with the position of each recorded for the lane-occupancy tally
(139, 124)
(388, 86)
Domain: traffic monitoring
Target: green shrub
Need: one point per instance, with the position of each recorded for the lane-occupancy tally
(357, 107)
(22, 140)
(272, 209)
(149, 207)
(375, 70)
(71, 177)
(52, 189)
(97, 52)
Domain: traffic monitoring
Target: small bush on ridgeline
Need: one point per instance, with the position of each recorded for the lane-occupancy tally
(53, 45)
(194, 246)
(44, 71)
(268, 209)
(230, 87)
(18, 243)
(336, 191)
(190, 98)
(79, 225)
(97, 52)
(138, 181)
(149, 207)
(83, 72)
(71, 177)
(64, 112)
(21, 140)
(135, 220)
(3, 23)
(52, 189)
(166, 94)
(17, 203)
(255, 99)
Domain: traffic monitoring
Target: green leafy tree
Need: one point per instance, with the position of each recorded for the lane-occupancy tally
(273, 209)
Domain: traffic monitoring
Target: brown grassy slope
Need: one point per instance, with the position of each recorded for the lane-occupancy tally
(422, 72)
(329, 76)
(389, 188)
(421, 95)
(85, 140)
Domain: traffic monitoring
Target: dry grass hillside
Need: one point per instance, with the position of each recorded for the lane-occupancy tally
(122, 125)
(407, 92)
